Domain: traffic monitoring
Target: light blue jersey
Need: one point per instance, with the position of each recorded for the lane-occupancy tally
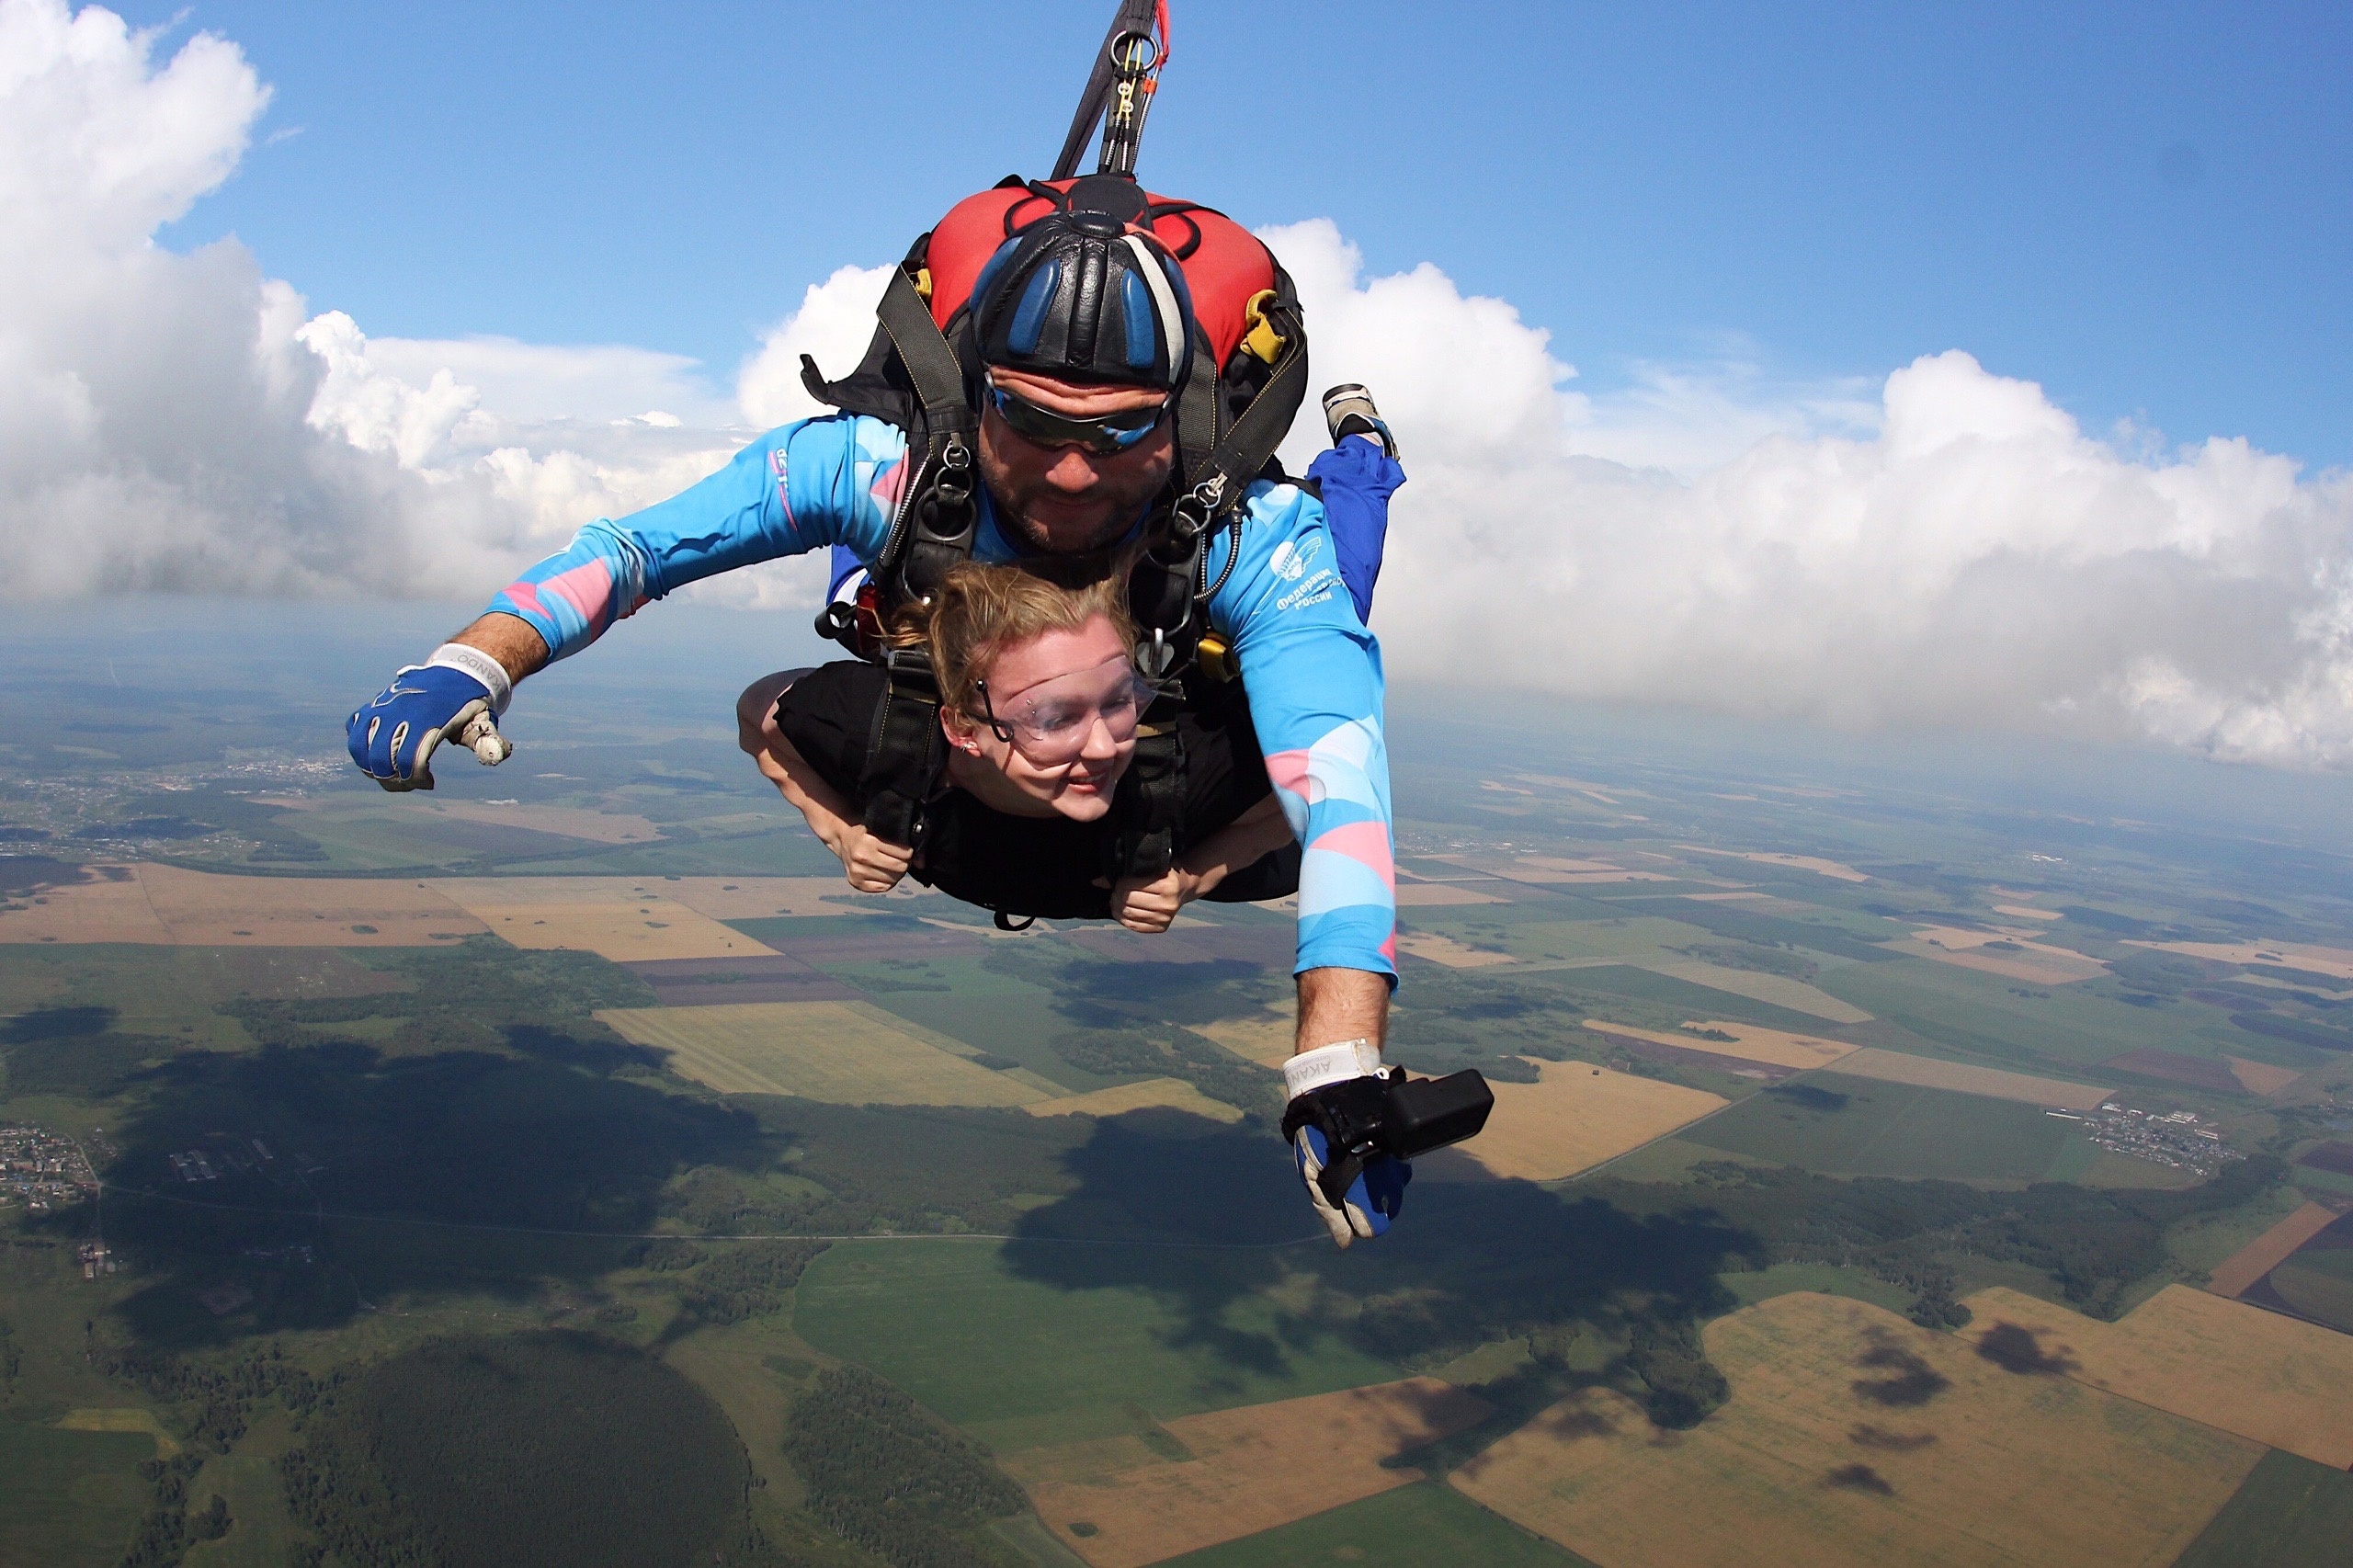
(1311, 670)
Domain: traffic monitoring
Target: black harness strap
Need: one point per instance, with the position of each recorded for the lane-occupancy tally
(937, 514)
(906, 753)
(1150, 834)
(932, 532)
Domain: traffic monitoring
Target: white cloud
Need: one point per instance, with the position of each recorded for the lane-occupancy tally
(1954, 550)
(834, 324)
(1945, 547)
(172, 422)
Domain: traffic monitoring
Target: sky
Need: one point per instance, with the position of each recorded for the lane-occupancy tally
(2147, 209)
(1880, 368)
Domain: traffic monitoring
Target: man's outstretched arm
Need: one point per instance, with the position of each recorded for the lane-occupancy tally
(519, 650)
(1339, 1005)
(820, 482)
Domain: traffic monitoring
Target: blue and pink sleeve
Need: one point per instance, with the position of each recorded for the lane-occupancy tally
(1314, 676)
(818, 482)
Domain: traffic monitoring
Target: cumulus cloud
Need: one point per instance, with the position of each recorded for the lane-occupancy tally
(834, 324)
(1952, 549)
(173, 421)
(1940, 546)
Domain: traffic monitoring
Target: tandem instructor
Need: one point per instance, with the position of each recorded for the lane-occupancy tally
(1072, 353)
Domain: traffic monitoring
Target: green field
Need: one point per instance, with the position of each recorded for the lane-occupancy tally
(2318, 1283)
(955, 1324)
(1982, 1016)
(1861, 1126)
(2288, 1513)
(1428, 1525)
(1001, 1014)
(1680, 997)
(68, 1498)
(261, 1535)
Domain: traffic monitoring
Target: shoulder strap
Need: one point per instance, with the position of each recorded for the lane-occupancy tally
(1150, 832)
(906, 752)
(938, 511)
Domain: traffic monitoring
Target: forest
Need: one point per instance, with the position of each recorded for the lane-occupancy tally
(888, 1477)
(543, 1447)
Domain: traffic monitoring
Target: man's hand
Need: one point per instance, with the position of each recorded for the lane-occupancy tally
(874, 865)
(1323, 1083)
(1149, 908)
(456, 695)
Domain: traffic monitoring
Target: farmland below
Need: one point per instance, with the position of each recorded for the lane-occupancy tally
(569, 1168)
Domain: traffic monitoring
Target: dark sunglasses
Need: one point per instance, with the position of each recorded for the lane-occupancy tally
(1106, 435)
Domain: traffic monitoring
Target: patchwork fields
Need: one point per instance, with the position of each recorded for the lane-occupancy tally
(1854, 1439)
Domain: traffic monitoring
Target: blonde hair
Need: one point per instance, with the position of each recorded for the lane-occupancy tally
(982, 610)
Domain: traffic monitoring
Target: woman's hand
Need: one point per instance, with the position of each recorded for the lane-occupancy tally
(1149, 908)
(874, 865)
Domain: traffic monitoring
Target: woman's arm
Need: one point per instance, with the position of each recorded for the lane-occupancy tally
(872, 864)
(1151, 907)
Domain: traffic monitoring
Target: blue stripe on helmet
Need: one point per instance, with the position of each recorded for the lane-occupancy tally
(1135, 306)
(1036, 299)
(995, 264)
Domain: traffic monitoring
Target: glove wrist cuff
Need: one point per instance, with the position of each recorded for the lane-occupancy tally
(479, 665)
(1312, 1070)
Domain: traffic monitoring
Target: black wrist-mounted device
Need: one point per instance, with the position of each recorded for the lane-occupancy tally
(1380, 1114)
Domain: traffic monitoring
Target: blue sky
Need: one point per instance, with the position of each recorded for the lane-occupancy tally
(2143, 208)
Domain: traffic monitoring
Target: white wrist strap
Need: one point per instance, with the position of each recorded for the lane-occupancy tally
(1311, 1070)
(479, 665)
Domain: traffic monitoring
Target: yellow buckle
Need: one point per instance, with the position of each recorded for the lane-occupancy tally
(1259, 335)
(1215, 658)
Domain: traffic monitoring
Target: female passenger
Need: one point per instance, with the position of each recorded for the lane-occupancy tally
(1040, 706)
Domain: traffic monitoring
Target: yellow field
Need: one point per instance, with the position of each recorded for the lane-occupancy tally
(2036, 963)
(1173, 1093)
(2267, 1378)
(165, 905)
(819, 1051)
(567, 822)
(1252, 1469)
(2261, 1078)
(599, 917)
(2335, 963)
(2027, 912)
(1417, 895)
(1834, 869)
(119, 1419)
(1927, 1073)
(1447, 950)
(1854, 1439)
(1549, 869)
(1774, 1048)
(1781, 990)
(2269, 1250)
(1575, 1117)
(1266, 1040)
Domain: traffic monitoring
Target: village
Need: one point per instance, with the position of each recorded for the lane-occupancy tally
(40, 1169)
(2181, 1140)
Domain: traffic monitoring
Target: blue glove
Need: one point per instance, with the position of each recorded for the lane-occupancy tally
(1373, 1200)
(456, 695)
(1336, 1093)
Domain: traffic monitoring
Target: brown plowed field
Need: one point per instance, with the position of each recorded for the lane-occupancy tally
(1775, 1048)
(1854, 1439)
(1929, 1072)
(2261, 1078)
(1252, 1469)
(1575, 1117)
(2231, 1366)
(165, 905)
(2269, 1250)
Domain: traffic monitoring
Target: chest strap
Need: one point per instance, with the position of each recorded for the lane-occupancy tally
(906, 753)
